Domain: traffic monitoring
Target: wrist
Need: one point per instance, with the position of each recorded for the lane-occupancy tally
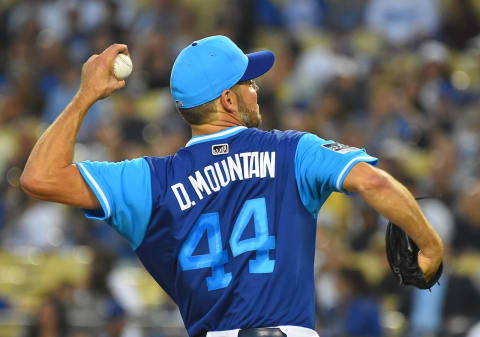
(84, 99)
(434, 250)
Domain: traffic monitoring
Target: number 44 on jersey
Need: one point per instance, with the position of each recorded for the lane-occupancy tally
(216, 259)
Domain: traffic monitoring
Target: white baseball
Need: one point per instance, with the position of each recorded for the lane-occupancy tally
(122, 66)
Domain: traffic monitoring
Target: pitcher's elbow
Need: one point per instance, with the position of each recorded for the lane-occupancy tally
(26, 183)
(376, 181)
(31, 184)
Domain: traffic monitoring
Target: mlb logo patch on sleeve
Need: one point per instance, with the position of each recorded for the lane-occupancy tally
(340, 148)
(219, 149)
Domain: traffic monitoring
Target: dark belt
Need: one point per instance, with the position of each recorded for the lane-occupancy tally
(261, 332)
(257, 332)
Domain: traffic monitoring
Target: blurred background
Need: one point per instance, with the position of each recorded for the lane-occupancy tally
(399, 78)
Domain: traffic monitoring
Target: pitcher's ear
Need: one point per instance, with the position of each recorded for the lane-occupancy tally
(229, 100)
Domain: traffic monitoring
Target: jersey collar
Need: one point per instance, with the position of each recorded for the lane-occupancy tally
(215, 136)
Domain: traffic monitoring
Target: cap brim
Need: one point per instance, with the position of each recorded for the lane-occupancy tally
(258, 64)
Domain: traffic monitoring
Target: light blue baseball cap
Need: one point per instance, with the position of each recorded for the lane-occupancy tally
(208, 66)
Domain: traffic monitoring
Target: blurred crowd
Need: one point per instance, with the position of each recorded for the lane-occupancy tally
(398, 78)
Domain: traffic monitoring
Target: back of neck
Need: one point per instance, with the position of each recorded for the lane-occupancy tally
(205, 129)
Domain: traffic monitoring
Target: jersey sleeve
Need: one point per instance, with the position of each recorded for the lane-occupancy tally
(124, 192)
(321, 167)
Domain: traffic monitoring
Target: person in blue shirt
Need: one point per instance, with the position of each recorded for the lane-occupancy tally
(227, 225)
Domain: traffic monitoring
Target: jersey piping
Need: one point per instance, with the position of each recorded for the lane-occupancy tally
(97, 188)
(217, 135)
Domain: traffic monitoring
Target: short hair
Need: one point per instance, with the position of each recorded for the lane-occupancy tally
(199, 114)
(202, 114)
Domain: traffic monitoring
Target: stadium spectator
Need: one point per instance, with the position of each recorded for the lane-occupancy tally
(404, 22)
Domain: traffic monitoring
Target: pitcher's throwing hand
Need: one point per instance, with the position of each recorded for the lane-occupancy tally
(98, 80)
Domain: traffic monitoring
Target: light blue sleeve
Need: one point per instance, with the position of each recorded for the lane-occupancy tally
(321, 167)
(125, 193)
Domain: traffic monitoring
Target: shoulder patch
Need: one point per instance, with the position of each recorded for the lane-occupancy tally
(340, 148)
(219, 149)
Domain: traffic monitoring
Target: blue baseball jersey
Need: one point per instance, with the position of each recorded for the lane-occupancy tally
(227, 225)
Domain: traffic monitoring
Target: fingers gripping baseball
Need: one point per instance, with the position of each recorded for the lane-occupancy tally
(98, 80)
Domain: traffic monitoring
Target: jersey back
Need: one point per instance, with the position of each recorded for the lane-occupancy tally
(229, 238)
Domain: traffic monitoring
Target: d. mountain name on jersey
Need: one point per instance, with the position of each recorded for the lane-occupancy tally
(213, 177)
